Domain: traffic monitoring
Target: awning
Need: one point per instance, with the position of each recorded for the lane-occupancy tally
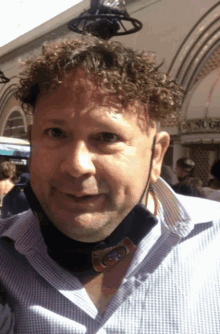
(200, 139)
(15, 148)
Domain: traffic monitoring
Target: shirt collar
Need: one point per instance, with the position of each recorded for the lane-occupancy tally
(25, 233)
(180, 213)
(172, 213)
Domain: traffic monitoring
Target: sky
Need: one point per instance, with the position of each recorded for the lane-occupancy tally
(21, 16)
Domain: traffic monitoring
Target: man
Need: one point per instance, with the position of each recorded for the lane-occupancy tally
(101, 251)
(188, 184)
(212, 192)
(168, 174)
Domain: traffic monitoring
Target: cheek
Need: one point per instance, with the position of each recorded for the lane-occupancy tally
(42, 162)
(135, 163)
(127, 173)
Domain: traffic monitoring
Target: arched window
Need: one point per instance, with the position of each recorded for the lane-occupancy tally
(14, 127)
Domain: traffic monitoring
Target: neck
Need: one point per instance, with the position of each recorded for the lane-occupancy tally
(150, 201)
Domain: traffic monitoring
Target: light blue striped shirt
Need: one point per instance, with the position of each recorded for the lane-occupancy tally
(171, 287)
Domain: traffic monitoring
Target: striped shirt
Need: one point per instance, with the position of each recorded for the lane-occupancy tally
(171, 287)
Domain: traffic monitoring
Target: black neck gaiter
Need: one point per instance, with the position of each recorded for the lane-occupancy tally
(76, 256)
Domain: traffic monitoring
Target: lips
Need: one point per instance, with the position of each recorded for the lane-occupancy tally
(82, 200)
(78, 195)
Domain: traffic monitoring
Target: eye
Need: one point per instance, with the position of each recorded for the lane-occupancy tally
(106, 137)
(54, 132)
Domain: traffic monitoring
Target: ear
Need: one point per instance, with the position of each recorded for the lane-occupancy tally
(29, 130)
(162, 144)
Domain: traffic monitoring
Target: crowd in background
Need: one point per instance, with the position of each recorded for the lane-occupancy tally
(184, 182)
(12, 196)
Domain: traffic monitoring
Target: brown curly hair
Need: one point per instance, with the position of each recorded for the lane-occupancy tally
(130, 75)
(7, 170)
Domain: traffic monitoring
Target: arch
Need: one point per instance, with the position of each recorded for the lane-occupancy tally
(19, 111)
(9, 105)
(196, 48)
(7, 94)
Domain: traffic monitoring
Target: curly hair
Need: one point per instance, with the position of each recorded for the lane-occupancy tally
(130, 75)
(7, 170)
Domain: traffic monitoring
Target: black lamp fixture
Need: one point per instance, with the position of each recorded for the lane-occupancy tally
(3, 78)
(105, 19)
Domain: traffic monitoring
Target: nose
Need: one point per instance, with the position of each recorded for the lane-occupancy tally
(77, 161)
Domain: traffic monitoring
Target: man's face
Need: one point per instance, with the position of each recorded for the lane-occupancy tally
(180, 172)
(89, 163)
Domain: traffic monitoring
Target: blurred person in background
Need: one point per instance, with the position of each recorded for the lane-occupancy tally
(168, 175)
(210, 182)
(188, 184)
(7, 178)
(213, 190)
(15, 201)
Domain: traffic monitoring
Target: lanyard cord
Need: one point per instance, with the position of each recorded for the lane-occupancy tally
(149, 174)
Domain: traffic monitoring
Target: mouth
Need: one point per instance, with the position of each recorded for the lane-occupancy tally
(85, 201)
(81, 198)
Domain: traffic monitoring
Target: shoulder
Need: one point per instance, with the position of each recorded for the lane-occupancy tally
(11, 226)
(200, 210)
(18, 193)
(6, 224)
(9, 195)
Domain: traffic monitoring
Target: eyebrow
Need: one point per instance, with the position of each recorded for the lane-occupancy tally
(55, 121)
(98, 122)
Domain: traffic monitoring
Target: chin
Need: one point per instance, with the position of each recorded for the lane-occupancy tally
(81, 226)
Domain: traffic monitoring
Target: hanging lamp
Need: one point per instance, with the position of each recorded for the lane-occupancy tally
(105, 19)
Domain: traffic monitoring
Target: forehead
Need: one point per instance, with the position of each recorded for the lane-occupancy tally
(77, 87)
(79, 93)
